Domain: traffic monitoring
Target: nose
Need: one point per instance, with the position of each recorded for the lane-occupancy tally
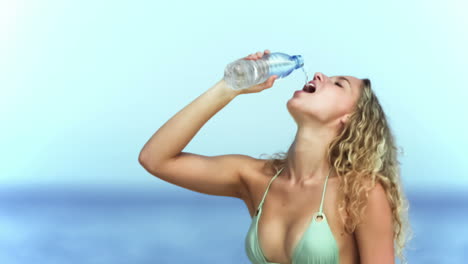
(319, 76)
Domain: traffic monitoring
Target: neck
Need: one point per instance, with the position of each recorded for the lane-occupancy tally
(307, 161)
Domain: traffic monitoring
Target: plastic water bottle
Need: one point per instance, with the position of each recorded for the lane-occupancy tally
(243, 73)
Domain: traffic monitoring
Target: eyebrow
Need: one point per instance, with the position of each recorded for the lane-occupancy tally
(346, 79)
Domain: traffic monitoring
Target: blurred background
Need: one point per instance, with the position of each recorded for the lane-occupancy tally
(84, 85)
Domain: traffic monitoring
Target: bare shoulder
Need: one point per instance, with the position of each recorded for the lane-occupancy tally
(254, 168)
(254, 171)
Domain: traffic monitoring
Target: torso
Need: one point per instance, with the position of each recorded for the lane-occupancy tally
(288, 212)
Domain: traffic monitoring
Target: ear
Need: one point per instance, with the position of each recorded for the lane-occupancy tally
(345, 119)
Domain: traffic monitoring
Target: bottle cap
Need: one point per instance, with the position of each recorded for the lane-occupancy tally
(299, 61)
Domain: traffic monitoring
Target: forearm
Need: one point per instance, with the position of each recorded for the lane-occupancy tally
(171, 138)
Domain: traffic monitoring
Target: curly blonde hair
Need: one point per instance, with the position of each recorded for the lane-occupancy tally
(365, 152)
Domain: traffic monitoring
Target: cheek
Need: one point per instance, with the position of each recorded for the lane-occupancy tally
(335, 105)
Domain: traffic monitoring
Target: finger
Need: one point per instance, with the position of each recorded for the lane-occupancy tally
(275, 77)
(271, 80)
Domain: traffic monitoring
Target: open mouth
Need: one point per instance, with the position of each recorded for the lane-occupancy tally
(309, 88)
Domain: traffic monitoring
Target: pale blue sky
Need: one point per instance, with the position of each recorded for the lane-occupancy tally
(84, 84)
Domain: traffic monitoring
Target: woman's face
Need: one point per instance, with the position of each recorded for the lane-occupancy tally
(333, 99)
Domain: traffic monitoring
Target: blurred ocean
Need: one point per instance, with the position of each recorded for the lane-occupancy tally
(57, 225)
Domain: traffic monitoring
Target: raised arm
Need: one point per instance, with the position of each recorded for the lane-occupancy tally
(162, 155)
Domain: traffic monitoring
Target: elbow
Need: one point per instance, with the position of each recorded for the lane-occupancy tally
(150, 164)
(143, 159)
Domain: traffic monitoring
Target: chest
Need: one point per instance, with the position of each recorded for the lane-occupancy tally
(287, 214)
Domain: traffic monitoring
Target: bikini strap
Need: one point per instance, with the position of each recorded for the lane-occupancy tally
(266, 191)
(323, 192)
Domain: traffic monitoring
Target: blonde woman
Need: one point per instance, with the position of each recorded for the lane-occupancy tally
(335, 197)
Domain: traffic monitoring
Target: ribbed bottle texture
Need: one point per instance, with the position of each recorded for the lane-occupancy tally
(243, 73)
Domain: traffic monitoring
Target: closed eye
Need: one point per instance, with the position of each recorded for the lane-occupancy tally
(337, 83)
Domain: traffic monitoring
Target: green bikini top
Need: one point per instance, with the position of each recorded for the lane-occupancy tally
(316, 246)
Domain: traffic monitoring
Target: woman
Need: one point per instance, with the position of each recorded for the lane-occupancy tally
(343, 148)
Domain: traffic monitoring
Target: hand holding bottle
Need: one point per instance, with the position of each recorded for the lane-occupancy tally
(262, 86)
